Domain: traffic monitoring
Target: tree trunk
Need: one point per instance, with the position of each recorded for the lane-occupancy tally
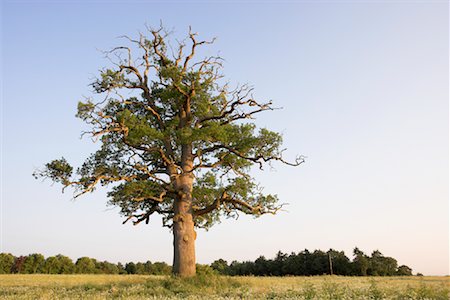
(184, 234)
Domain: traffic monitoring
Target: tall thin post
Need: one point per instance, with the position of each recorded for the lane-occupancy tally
(331, 263)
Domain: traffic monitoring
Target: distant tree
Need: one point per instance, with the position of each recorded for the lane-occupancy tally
(105, 267)
(375, 264)
(262, 266)
(52, 265)
(390, 266)
(59, 264)
(175, 141)
(248, 268)
(66, 265)
(341, 263)
(18, 264)
(6, 263)
(121, 268)
(241, 268)
(277, 265)
(381, 265)
(307, 260)
(234, 268)
(404, 271)
(294, 265)
(140, 268)
(220, 266)
(161, 268)
(361, 262)
(130, 268)
(86, 265)
(319, 263)
(33, 263)
(148, 266)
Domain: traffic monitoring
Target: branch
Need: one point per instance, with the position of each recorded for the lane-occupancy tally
(237, 204)
(229, 112)
(194, 45)
(144, 216)
(259, 159)
(157, 199)
(150, 174)
(142, 83)
(88, 187)
(211, 207)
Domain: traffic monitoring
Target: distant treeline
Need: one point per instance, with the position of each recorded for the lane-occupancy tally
(304, 263)
(60, 264)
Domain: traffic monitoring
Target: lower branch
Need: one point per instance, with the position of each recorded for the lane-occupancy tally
(144, 216)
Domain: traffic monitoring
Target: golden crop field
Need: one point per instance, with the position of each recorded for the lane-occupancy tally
(220, 287)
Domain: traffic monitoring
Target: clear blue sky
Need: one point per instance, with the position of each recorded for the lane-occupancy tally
(364, 86)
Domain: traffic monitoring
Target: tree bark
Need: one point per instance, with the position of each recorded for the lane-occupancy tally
(184, 234)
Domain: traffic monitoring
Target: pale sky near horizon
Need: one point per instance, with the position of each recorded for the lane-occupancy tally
(364, 86)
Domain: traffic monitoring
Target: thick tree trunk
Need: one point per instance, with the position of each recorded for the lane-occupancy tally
(184, 234)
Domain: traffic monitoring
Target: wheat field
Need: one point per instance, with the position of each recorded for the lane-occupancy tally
(220, 287)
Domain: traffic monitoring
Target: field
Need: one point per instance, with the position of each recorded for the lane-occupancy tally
(220, 287)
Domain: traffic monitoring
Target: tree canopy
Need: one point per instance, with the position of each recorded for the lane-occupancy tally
(175, 138)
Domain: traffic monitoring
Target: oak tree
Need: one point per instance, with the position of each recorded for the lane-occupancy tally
(175, 140)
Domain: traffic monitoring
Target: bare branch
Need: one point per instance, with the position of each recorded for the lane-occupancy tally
(195, 44)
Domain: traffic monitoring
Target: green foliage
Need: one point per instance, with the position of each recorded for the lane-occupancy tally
(106, 268)
(58, 170)
(86, 265)
(381, 265)
(360, 262)
(295, 264)
(221, 266)
(306, 263)
(205, 270)
(60, 264)
(51, 265)
(170, 117)
(34, 263)
(404, 271)
(6, 263)
(160, 268)
(66, 265)
(85, 109)
(109, 79)
(341, 263)
(131, 268)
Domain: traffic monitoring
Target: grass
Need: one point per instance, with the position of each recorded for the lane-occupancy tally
(220, 287)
